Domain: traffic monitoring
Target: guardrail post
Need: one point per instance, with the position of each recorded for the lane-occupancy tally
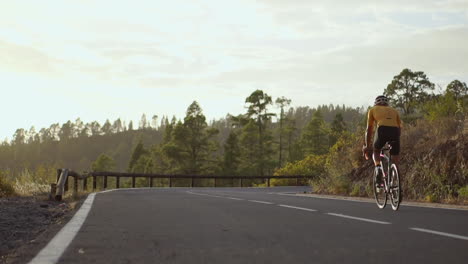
(75, 184)
(117, 182)
(85, 184)
(151, 182)
(191, 182)
(215, 182)
(297, 181)
(61, 185)
(133, 182)
(66, 185)
(170, 182)
(240, 182)
(105, 182)
(59, 172)
(94, 183)
(268, 182)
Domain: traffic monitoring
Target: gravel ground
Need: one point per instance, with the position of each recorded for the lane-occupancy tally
(23, 220)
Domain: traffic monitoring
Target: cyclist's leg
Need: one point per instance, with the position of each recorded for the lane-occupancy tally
(395, 151)
(376, 156)
(378, 145)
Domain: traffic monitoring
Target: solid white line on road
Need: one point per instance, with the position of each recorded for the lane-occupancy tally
(234, 198)
(439, 233)
(299, 208)
(106, 191)
(360, 219)
(262, 202)
(54, 250)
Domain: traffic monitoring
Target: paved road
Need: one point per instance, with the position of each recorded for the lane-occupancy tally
(263, 225)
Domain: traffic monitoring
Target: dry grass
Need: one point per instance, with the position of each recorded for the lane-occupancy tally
(28, 182)
(433, 167)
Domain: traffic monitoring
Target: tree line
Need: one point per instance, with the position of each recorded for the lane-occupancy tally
(269, 136)
(251, 143)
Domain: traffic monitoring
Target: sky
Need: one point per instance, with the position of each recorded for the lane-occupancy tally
(98, 60)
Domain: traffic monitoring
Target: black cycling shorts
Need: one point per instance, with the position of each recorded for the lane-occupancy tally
(386, 134)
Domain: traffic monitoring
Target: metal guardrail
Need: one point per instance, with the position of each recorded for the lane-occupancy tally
(63, 175)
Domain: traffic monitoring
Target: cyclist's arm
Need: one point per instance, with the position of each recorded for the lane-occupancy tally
(370, 127)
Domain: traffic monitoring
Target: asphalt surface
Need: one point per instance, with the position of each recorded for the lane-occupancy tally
(261, 225)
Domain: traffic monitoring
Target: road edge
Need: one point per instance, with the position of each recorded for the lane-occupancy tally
(52, 252)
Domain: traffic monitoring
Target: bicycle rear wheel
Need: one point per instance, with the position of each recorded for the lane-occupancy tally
(379, 192)
(395, 188)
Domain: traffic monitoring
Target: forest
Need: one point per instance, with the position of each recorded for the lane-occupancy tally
(270, 138)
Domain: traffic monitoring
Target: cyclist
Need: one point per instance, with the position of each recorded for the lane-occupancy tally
(388, 129)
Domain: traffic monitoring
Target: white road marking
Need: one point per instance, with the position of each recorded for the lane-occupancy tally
(439, 233)
(106, 191)
(54, 250)
(360, 219)
(234, 198)
(299, 208)
(202, 194)
(262, 202)
(348, 199)
(351, 199)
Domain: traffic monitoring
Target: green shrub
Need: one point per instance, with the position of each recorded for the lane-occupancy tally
(355, 190)
(463, 193)
(6, 189)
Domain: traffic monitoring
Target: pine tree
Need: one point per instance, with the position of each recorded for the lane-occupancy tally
(338, 126)
(314, 137)
(103, 163)
(282, 102)
(258, 110)
(138, 152)
(191, 142)
(231, 158)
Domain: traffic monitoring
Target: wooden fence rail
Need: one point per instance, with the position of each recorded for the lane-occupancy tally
(63, 176)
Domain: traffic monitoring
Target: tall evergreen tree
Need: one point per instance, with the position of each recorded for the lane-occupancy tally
(232, 155)
(67, 131)
(408, 89)
(130, 125)
(457, 88)
(191, 143)
(143, 122)
(249, 164)
(314, 136)
(107, 128)
(154, 122)
(338, 126)
(282, 102)
(103, 163)
(258, 110)
(138, 152)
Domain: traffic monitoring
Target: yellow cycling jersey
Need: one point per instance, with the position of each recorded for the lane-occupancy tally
(383, 116)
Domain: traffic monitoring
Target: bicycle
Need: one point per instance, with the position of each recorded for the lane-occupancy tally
(391, 181)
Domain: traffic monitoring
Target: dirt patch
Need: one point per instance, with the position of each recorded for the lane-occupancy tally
(24, 221)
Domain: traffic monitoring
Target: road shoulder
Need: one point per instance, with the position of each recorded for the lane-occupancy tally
(31, 223)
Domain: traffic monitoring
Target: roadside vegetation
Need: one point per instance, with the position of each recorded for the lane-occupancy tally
(269, 138)
(434, 146)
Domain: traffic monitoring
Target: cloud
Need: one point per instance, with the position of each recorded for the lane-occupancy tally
(161, 55)
(364, 69)
(25, 59)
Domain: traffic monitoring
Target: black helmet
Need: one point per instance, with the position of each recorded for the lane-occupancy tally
(381, 99)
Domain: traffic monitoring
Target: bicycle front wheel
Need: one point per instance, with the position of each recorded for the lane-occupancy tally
(379, 190)
(395, 188)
